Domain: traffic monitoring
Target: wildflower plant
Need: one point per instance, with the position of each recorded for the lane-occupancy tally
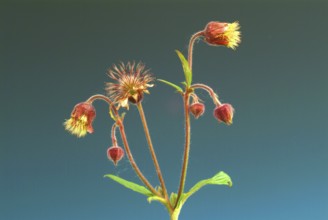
(130, 82)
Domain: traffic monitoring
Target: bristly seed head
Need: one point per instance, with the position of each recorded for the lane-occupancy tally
(133, 80)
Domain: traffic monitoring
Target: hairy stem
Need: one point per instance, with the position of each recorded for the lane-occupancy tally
(114, 140)
(191, 46)
(120, 124)
(209, 90)
(186, 148)
(133, 163)
(152, 151)
(104, 98)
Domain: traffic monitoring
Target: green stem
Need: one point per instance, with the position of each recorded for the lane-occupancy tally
(186, 148)
(152, 151)
(175, 214)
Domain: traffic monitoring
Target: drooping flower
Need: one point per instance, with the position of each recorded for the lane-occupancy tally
(221, 33)
(224, 113)
(132, 81)
(115, 154)
(81, 119)
(197, 109)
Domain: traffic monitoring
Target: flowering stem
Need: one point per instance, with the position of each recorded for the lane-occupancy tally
(119, 123)
(209, 90)
(133, 163)
(191, 46)
(114, 140)
(152, 151)
(104, 98)
(186, 148)
(186, 98)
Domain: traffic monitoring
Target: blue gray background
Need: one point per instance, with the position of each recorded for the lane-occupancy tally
(54, 54)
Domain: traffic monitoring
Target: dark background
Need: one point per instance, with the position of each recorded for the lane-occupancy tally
(54, 54)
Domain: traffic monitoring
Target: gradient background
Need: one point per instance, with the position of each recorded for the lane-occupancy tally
(55, 54)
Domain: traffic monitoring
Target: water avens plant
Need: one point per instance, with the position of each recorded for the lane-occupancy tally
(130, 82)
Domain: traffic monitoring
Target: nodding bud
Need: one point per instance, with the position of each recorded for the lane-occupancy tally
(224, 113)
(115, 154)
(197, 109)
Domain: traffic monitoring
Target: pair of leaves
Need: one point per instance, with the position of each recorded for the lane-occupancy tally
(187, 72)
(221, 178)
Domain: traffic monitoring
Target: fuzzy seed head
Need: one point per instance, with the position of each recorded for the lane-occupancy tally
(132, 81)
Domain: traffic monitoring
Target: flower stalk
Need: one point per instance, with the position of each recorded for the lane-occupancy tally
(132, 161)
(186, 148)
(151, 149)
(210, 91)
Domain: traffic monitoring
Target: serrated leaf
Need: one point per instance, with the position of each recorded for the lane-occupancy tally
(130, 185)
(221, 178)
(186, 68)
(178, 88)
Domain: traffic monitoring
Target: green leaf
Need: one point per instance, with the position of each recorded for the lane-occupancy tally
(178, 88)
(112, 115)
(156, 198)
(221, 178)
(186, 68)
(173, 198)
(130, 185)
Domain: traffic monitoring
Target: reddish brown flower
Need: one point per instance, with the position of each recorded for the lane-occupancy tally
(81, 119)
(197, 109)
(115, 154)
(224, 113)
(133, 80)
(220, 33)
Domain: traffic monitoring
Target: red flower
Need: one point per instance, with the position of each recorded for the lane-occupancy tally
(81, 119)
(197, 109)
(224, 113)
(115, 154)
(220, 33)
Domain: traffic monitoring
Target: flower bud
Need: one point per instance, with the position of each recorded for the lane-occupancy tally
(115, 154)
(81, 119)
(220, 33)
(224, 113)
(197, 109)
